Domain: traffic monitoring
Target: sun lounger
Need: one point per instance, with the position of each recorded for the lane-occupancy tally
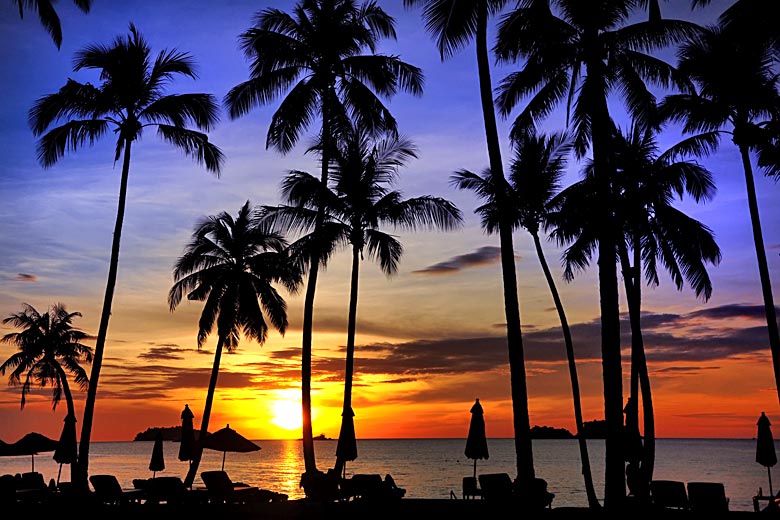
(707, 497)
(470, 488)
(221, 489)
(108, 491)
(496, 486)
(370, 486)
(669, 494)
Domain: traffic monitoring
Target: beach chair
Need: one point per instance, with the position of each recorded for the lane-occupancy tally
(470, 488)
(221, 489)
(496, 486)
(370, 486)
(669, 494)
(108, 491)
(707, 497)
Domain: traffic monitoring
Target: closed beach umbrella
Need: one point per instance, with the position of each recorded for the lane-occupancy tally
(476, 443)
(765, 447)
(67, 451)
(226, 440)
(346, 449)
(187, 444)
(32, 444)
(157, 462)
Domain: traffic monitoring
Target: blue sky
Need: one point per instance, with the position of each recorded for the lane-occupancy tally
(56, 225)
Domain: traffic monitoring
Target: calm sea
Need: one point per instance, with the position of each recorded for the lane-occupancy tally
(431, 468)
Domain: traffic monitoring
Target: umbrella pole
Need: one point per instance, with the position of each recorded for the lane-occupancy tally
(769, 473)
(223, 460)
(475, 468)
(60, 473)
(33, 462)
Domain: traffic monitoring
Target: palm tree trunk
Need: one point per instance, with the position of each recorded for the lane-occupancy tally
(309, 458)
(204, 423)
(763, 268)
(82, 467)
(590, 491)
(351, 326)
(521, 420)
(611, 365)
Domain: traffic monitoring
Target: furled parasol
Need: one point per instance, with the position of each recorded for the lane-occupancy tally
(476, 443)
(765, 447)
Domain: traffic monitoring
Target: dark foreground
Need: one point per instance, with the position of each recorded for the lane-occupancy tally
(403, 509)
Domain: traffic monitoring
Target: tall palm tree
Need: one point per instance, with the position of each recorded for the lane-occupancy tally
(364, 201)
(314, 54)
(454, 23)
(49, 349)
(130, 97)
(535, 176)
(48, 15)
(582, 56)
(231, 265)
(652, 231)
(740, 109)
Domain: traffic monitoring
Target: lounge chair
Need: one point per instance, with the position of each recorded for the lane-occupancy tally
(221, 489)
(108, 491)
(164, 490)
(470, 488)
(31, 488)
(370, 486)
(707, 497)
(669, 494)
(496, 486)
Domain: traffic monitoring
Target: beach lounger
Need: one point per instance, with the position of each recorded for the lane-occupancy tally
(496, 486)
(221, 489)
(707, 497)
(370, 486)
(669, 494)
(108, 491)
(470, 488)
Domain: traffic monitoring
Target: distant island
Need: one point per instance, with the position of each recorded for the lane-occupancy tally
(592, 430)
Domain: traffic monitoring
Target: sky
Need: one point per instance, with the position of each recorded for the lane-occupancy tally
(429, 340)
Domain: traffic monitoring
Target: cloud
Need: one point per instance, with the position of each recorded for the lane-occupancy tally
(486, 255)
(26, 277)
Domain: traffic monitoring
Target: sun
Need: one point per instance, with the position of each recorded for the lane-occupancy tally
(286, 414)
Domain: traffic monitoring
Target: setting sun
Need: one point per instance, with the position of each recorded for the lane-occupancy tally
(286, 414)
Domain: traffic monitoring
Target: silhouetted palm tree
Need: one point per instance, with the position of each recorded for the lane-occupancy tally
(231, 265)
(48, 16)
(653, 231)
(129, 98)
(362, 178)
(314, 54)
(454, 23)
(535, 176)
(49, 348)
(739, 108)
(581, 57)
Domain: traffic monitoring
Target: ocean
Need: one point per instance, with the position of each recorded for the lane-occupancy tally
(431, 468)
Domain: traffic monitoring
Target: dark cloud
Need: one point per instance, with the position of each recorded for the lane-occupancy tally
(25, 277)
(486, 255)
(163, 352)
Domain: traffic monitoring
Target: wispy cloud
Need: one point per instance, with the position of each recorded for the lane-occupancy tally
(26, 277)
(483, 256)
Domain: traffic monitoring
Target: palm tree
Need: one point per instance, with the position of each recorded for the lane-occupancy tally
(653, 231)
(535, 175)
(230, 264)
(454, 23)
(740, 109)
(48, 16)
(129, 98)
(364, 201)
(315, 53)
(582, 56)
(49, 348)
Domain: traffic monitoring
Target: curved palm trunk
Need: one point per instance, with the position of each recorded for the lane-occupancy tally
(82, 467)
(521, 420)
(640, 378)
(763, 269)
(350, 363)
(309, 459)
(204, 423)
(612, 372)
(593, 501)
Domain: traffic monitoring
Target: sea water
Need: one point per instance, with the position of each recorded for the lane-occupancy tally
(431, 468)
